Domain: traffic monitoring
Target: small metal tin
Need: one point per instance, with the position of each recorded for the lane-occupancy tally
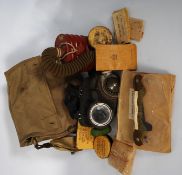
(99, 35)
(102, 146)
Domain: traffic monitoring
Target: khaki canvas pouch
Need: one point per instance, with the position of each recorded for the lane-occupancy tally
(157, 104)
(36, 105)
(157, 108)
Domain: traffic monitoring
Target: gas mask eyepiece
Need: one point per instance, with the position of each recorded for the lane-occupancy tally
(100, 115)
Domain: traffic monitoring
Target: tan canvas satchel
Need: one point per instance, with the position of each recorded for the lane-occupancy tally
(37, 107)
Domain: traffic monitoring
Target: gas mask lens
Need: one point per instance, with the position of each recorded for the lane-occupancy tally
(100, 115)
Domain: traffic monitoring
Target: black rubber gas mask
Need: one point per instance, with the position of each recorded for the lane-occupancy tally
(96, 99)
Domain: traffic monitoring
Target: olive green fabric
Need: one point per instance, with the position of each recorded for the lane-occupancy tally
(36, 103)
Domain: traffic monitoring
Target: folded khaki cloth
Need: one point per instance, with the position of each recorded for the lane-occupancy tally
(122, 156)
(36, 104)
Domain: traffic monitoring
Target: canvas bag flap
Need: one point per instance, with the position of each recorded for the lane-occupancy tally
(157, 109)
(36, 103)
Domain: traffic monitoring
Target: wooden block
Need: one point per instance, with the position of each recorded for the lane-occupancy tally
(84, 138)
(116, 57)
(121, 25)
(137, 29)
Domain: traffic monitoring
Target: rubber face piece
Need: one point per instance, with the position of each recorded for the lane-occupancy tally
(52, 64)
(72, 45)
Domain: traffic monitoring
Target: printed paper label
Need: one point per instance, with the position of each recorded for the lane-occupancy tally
(133, 107)
(84, 138)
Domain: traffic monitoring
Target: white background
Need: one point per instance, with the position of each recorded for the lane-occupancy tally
(27, 27)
